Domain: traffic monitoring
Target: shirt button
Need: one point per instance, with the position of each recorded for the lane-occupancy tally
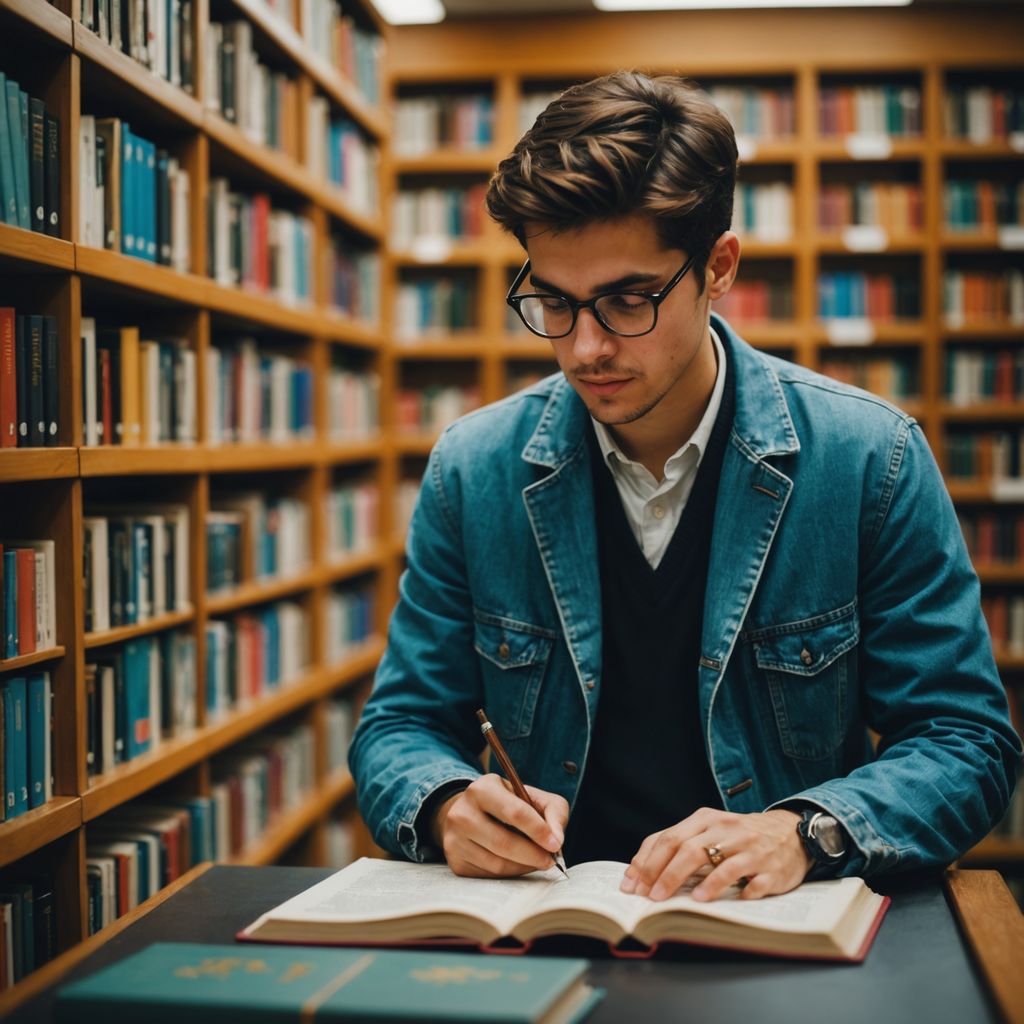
(806, 657)
(570, 767)
(504, 652)
(658, 511)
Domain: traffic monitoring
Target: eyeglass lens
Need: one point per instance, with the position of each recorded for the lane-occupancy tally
(624, 314)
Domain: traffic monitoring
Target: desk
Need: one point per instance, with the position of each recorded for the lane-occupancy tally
(919, 969)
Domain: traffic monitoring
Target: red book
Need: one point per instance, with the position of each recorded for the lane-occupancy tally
(122, 884)
(26, 600)
(8, 381)
(106, 396)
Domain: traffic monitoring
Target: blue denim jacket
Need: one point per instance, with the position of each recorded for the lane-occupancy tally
(840, 597)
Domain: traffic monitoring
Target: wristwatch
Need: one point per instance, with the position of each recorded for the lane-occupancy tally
(823, 837)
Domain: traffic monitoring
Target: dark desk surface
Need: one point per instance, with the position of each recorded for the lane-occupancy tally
(918, 970)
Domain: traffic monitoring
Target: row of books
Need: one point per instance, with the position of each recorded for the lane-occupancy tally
(433, 305)
(1004, 614)
(263, 103)
(353, 515)
(136, 390)
(981, 295)
(406, 495)
(986, 376)
(28, 930)
(757, 301)
(339, 720)
(894, 206)
(253, 653)
(879, 297)
(134, 196)
(993, 536)
(156, 33)
(982, 205)
(29, 383)
(353, 404)
(255, 395)
(355, 51)
(981, 113)
(340, 154)
(253, 536)
(28, 586)
(137, 695)
(136, 563)
(353, 280)
(29, 161)
(755, 111)
(891, 109)
(891, 377)
(258, 248)
(986, 455)
(350, 620)
(764, 213)
(339, 843)
(26, 743)
(437, 213)
(432, 408)
(532, 103)
(456, 121)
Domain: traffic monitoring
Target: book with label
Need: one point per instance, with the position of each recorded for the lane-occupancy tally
(213, 984)
(417, 903)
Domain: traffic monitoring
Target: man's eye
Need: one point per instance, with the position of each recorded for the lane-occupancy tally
(625, 302)
(553, 304)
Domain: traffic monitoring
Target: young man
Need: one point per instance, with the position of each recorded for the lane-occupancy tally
(683, 578)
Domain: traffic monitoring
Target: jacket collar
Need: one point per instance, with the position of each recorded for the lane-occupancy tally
(762, 422)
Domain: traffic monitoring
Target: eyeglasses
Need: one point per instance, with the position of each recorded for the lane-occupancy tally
(628, 314)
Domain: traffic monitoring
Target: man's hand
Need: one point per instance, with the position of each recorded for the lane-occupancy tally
(475, 829)
(763, 848)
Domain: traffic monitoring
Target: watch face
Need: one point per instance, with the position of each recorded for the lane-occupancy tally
(827, 832)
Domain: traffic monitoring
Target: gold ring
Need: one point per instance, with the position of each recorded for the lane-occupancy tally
(715, 855)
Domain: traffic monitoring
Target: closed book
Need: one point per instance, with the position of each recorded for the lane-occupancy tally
(90, 388)
(37, 163)
(16, 745)
(138, 733)
(8, 381)
(19, 150)
(51, 383)
(127, 177)
(46, 589)
(26, 600)
(23, 376)
(39, 754)
(213, 983)
(44, 924)
(109, 129)
(8, 193)
(130, 385)
(163, 210)
(51, 175)
(36, 399)
(10, 598)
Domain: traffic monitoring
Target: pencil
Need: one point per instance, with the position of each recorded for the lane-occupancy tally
(494, 742)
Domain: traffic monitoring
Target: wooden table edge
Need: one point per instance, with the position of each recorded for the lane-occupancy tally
(994, 928)
(49, 974)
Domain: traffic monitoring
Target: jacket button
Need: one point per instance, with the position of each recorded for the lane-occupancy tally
(806, 657)
(590, 684)
(570, 767)
(504, 652)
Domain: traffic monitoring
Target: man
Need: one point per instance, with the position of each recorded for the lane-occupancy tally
(683, 578)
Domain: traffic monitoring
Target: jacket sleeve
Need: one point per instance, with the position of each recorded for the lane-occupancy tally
(948, 754)
(418, 730)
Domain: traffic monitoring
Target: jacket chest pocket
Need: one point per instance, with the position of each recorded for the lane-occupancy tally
(810, 667)
(513, 657)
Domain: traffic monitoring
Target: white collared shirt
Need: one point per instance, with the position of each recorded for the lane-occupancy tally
(653, 508)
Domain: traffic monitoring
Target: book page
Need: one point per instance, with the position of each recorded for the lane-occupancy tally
(594, 886)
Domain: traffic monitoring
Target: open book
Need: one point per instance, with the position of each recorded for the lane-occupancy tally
(391, 902)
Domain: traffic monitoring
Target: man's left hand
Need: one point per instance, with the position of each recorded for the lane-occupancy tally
(764, 849)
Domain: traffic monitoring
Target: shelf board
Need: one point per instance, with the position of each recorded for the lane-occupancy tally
(37, 463)
(290, 825)
(338, 327)
(972, 241)
(259, 592)
(471, 345)
(333, 199)
(835, 245)
(455, 252)
(753, 249)
(361, 660)
(894, 332)
(336, 453)
(130, 272)
(982, 412)
(246, 457)
(970, 490)
(24, 661)
(768, 334)
(171, 98)
(25, 834)
(409, 443)
(18, 246)
(118, 634)
(280, 166)
(120, 460)
(449, 161)
(961, 149)
(1008, 662)
(989, 330)
(835, 148)
(526, 346)
(994, 572)
(45, 17)
(261, 309)
(341, 567)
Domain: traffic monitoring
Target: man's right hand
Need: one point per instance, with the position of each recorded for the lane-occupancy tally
(475, 829)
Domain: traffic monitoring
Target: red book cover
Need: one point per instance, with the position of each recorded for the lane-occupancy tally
(106, 396)
(26, 600)
(8, 381)
(122, 884)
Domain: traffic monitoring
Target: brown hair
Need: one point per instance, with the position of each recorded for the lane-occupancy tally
(622, 144)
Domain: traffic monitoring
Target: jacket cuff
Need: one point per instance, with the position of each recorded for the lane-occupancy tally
(412, 830)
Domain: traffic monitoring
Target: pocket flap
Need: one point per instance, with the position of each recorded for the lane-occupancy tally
(806, 648)
(509, 645)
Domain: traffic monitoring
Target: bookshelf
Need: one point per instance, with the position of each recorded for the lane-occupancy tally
(46, 492)
(519, 63)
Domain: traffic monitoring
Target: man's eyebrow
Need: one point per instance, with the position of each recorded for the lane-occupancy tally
(625, 282)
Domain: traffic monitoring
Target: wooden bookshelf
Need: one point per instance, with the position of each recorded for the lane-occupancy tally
(83, 74)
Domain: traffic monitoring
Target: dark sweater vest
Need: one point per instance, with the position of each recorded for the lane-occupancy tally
(647, 767)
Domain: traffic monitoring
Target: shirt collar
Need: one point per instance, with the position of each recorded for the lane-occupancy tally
(698, 439)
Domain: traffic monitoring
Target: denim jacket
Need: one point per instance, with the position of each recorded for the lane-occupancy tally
(840, 599)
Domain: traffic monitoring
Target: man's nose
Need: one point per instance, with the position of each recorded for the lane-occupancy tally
(591, 340)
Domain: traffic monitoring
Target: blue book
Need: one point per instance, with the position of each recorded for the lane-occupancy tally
(21, 164)
(138, 724)
(128, 227)
(8, 195)
(272, 651)
(213, 682)
(20, 177)
(10, 598)
(147, 197)
(38, 738)
(16, 746)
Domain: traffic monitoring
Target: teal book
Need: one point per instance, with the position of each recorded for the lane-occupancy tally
(8, 196)
(21, 160)
(38, 696)
(128, 228)
(12, 104)
(136, 688)
(15, 746)
(217, 984)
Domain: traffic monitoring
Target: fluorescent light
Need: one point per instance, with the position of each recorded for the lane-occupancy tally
(705, 5)
(410, 12)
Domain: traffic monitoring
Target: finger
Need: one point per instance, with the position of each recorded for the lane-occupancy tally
(728, 873)
(758, 887)
(703, 819)
(555, 809)
(475, 861)
(501, 803)
(691, 859)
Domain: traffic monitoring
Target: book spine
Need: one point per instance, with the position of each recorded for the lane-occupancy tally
(22, 366)
(38, 737)
(26, 600)
(10, 597)
(36, 413)
(51, 383)
(8, 195)
(8, 381)
(16, 730)
(51, 175)
(17, 114)
(127, 176)
(37, 163)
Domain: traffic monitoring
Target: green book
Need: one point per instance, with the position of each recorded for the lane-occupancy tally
(215, 984)
(8, 193)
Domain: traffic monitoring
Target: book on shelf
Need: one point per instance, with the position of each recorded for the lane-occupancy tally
(974, 205)
(433, 306)
(353, 404)
(354, 280)
(437, 215)
(761, 113)
(1004, 614)
(26, 744)
(881, 298)
(341, 154)
(764, 213)
(29, 161)
(755, 302)
(430, 409)
(350, 620)
(27, 933)
(427, 123)
(888, 109)
(352, 515)
(979, 112)
(211, 983)
(993, 297)
(895, 208)
(29, 595)
(976, 377)
(29, 384)
(990, 455)
(834, 920)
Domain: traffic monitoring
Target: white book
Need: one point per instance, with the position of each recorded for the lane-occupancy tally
(220, 798)
(157, 557)
(214, 408)
(95, 528)
(213, 40)
(186, 396)
(115, 850)
(104, 867)
(149, 391)
(156, 730)
(87, 178)
(108, 741)
(109, 831)
(46, 589)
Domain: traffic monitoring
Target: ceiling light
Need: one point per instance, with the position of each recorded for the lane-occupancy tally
(698, 5)
(410, 12)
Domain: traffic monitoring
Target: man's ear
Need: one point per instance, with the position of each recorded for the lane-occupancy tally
(722, 265)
